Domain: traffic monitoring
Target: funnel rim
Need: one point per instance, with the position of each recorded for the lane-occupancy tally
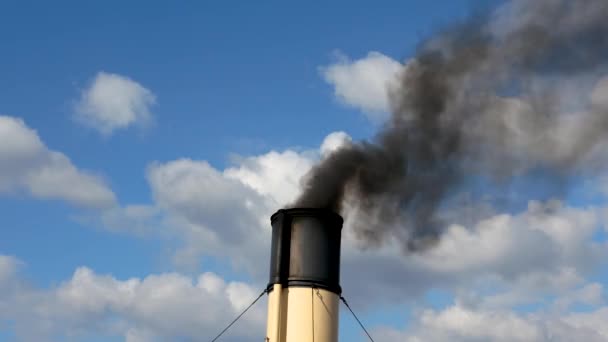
(302, 211)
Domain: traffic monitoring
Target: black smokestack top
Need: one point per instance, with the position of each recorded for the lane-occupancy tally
(496, 96)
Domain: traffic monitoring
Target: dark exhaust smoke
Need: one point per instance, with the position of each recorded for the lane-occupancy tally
(497, 96)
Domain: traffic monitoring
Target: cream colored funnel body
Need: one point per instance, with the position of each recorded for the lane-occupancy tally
(304, 282)
(302, 314)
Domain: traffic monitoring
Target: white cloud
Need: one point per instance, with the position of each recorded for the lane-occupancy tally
(226, 213)
(160, 307)
(547, 249)
(29, 165)
(465, 324)
(333, 142)
(590, 294)
(594, 321)
(114, 102)
(364, 83)
(211, 212)
(275, 175)
(547, 234)
(171, 306)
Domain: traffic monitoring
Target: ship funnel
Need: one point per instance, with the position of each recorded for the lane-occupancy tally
(304, 287)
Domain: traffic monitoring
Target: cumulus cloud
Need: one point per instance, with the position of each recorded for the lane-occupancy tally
(463, 324)
(27, 164)
(364, 83)
(171, 306)
(564, 234)
(209, 211)
(161, 307)
(590, 294)
(275, 175)
(226, 213)
(547, 249)
(333, 142)
(113, 102)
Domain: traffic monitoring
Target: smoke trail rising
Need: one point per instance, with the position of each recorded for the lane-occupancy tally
(498, 95)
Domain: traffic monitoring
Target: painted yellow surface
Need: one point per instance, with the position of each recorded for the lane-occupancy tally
(273, 324)
(302, 314)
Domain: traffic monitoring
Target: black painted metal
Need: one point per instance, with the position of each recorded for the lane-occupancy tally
(306, 249)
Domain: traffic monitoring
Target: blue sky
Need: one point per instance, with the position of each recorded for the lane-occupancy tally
(223, 101)
(230, 78)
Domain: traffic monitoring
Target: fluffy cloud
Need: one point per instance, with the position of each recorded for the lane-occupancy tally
(364, 83)
(114, 102)
(463, 324)
(158, 307)
(333, 142)
(493, 263)
(212, 213)
(590, 294)
(169, 306)
(275, 175)
(225, 213)
(547, 233)
(27, 164)
(546, 250)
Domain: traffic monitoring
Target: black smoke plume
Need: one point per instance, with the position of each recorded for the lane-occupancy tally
(501, 94)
